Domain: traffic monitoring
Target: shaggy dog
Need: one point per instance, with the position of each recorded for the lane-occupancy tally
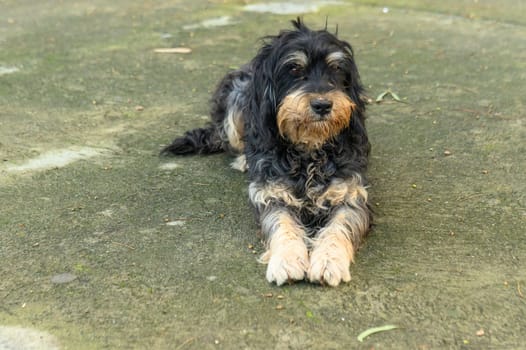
(295, 119)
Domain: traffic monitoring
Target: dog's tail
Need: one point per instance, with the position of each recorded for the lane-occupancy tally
(197, 141)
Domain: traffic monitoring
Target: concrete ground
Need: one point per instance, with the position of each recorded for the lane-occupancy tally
(104, 245)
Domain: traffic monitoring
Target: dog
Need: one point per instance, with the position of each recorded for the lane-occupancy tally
(294, 117)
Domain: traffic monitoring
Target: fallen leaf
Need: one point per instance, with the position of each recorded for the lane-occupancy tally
(381, 96)
(394, 96)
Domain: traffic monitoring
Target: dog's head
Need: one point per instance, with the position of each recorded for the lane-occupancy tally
(306, 86)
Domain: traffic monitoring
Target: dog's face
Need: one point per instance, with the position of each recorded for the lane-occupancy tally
(314, 106)
(313, 85)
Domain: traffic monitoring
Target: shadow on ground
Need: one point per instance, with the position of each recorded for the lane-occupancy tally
(105, 245)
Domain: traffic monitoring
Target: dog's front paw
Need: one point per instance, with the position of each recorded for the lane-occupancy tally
(329, 264)
(287, 262)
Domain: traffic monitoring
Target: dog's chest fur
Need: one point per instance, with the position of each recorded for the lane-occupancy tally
(311, 178)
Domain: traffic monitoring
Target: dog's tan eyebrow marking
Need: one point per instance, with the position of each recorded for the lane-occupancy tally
(335, 58)
(297, 57)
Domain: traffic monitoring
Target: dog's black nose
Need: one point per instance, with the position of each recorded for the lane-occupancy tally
(321, 106)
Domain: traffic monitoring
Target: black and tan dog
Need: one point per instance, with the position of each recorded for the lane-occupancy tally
(295, 119)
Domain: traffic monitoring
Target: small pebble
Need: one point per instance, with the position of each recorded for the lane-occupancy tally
(175, 223)
(63, 278)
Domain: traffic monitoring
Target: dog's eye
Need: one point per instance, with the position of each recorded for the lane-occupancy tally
(297, 70)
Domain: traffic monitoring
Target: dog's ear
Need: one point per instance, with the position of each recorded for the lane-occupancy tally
(263, 101)
(354, 87)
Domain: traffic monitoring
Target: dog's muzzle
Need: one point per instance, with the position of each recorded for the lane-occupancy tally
(311, 119)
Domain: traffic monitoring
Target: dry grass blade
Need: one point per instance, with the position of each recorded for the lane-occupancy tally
(373, 330)
(173, 50)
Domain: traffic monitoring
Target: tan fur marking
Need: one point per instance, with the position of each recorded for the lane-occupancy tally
(350, 191)
(334, 59)
(233, 125)
(300, 125)
(298, 57)
(265, 194)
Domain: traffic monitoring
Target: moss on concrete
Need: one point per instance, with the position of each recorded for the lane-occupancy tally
(161, 253)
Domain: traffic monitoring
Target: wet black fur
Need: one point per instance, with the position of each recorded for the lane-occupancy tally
(271, 157)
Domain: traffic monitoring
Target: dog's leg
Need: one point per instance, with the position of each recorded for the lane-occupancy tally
(228, 103)
(287, 255)
(240, 163)
(333, 249)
